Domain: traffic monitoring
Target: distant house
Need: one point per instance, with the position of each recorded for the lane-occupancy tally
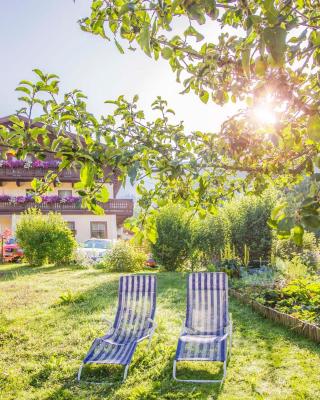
(16, 197)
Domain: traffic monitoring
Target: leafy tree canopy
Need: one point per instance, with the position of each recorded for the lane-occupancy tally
(263, 53)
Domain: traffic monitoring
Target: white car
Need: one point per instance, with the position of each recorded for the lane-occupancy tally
(96, 248)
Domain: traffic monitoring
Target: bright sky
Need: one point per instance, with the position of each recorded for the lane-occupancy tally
(44, 34)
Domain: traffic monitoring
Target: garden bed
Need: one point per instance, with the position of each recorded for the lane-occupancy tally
(306, 329)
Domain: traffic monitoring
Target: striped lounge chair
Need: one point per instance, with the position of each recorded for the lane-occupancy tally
(207, 327)
(133, 323)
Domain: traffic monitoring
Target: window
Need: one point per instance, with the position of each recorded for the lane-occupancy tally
(72, 227)
(99, 230)
(64, 193)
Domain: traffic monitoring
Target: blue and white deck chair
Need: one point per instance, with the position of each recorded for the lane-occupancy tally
(207, 331)
(133, 323)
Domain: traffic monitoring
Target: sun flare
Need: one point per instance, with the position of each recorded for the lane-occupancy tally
(264, 115)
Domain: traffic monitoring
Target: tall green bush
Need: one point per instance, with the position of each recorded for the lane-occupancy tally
(241, 222)
(248, 218)
(173, 246)
(210, 235)
(45, 238)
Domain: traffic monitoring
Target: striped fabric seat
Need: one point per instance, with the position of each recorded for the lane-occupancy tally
(205, 333)
(133, 323)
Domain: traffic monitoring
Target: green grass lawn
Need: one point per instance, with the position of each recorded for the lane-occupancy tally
(43, 340)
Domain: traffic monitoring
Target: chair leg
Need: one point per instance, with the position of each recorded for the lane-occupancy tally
(224, 370)
(149, 341)
(79, 372)
(125, 374)
(230, 343)
(174, 370)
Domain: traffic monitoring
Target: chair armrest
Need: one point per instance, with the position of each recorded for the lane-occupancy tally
(113, 343)
(222, 338)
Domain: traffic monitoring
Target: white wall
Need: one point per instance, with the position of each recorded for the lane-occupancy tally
(11, 189)
(82, 224)
(83, 228)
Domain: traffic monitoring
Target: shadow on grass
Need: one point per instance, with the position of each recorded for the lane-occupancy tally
(12, 271)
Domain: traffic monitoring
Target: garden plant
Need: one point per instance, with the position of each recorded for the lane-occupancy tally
(45, 238)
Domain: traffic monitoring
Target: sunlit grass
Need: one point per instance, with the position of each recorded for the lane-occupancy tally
(49, 317)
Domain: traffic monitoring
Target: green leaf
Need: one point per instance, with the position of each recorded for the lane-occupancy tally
(39, 73)
(103, 195)
(270, 11)
(96, 209)
(166, 53)
(125, 8)
(111, 102)
(278, 211)
(35, 184)
(132, 173)
(23, 89)
(297, 234)
(24, 82)
(195, 12)
(87, 174)
(245, 61)
(275, 39)
(191, 31)
(313, 127)
(152, 234)
(119, 46)
(67, 117)
(144, 39)
(260, 67)
(315, 38)
(204, 96)
(78, 185)
(272, 223)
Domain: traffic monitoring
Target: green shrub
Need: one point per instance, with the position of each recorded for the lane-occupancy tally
(292, 269)
(209, 237)
(45, 238)
(123, 258)
(308, 252)
(241, 221)
(248, 216)
(173, 246)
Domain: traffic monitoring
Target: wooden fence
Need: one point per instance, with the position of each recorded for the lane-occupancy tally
(303, 328)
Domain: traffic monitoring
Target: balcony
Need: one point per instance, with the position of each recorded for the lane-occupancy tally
(27, 174)
(122, 208)
(21, 174)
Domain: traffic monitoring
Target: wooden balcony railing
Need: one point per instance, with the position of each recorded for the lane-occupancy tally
(27, 174)
(120, 207)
